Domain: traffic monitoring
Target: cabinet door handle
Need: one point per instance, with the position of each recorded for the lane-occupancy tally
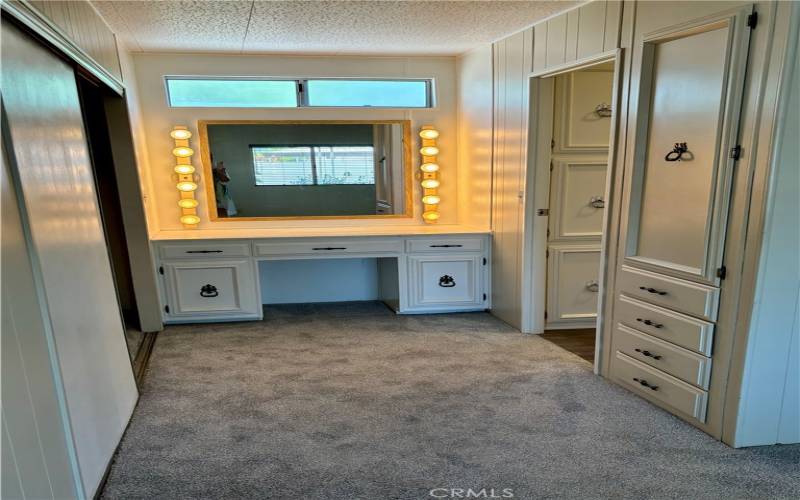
(648, 354)
(650, 323)
(678, 150)
(593, 286)
(644, 383)
(203, 251)
(330, 248)
(209, 290)
(652, 290)
(597, 202)
(446, 246)
(447, 281)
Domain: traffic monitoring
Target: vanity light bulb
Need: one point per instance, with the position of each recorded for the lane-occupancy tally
(184, 169)
(429, 151)
(180, 134)
(190, 219)
(183, 152)
(188, 203)
(186, 186)
(429, 167)
(429, 133)
(430, 216)
(431, 199)
(430, 183)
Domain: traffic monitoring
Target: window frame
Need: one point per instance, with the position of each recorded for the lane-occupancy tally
(301, 87)
(314, 171)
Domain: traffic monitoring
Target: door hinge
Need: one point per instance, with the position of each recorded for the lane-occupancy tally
(543, 211)
(166, 309)
(551, 165)
(736, 152)
(548, 232)
(160, 269)
(752, 20)
(545, 315)
(484, 261)
(547, 253)
(722, 272)
(552, 143)
(484, 296)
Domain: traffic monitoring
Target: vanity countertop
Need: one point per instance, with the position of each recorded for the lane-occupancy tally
(315, 232)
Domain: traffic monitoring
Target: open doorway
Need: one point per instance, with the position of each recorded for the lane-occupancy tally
(572, 120)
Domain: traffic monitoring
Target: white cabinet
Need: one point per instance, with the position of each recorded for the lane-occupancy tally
(451, 282)
(572, 297)
(211, 289)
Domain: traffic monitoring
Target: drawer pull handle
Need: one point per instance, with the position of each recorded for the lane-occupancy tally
(644, 383)
(203, 251)
(650, 323)
(597, 202)
(593, 286)
(447, 281)
(677, 152)
(330, 248)
(648, 354)
(446, 246)
(209, 291)
(652, 290)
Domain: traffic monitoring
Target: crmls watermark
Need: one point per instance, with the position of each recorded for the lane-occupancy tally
(471, 493)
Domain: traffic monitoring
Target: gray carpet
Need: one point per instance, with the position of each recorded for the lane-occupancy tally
(350, 401)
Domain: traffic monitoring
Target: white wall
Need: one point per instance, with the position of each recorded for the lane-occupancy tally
(475, 117)
(769, 408)
(326, 280)
(158, 119)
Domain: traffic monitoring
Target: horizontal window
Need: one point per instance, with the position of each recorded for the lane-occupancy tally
(313, 165)
(268, 93)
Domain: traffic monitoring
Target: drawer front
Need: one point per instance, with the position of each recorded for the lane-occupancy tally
(682, 330)
(330, 247)
(676, 361)
(216, 287)
(204, 250)
(444, 245)
(455, 281)
(676, 394)
(691, 298)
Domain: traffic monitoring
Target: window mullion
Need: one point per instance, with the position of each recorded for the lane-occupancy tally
(302, 93)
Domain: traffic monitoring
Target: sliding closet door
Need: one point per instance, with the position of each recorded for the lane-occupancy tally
(50, 157)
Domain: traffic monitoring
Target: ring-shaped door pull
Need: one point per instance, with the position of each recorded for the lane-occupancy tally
(209, 290)
(597, 202)
(447, 281)
(593, 286)
(677, 152)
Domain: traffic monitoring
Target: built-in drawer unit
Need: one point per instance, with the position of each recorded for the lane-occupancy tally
(657, 385)
(677, 328)
(685, 296)
(211, 289)
(444, 245)
(676, 361)
(454, 282)
(330, 247)
(204, 250)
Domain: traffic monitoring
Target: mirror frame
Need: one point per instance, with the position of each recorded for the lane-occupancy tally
(207, 175)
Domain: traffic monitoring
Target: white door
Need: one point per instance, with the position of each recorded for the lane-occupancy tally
(577, 185)
(199, 289)
(451, 281)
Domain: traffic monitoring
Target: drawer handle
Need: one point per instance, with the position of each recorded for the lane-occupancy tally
(593, 286)
(677, 152)
(644, 383)
(647, 354)
(597, 202)
(446, 246)
(447, 281)
(330, 248)
(209, 291)
(203, 251)
(652, 290)
(650, 323)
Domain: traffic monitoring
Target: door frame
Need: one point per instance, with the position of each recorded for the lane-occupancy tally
(537, 188)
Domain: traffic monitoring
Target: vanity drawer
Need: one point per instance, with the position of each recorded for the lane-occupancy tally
(204, 250)
(452, 282)
(676, 361)
(331, 247)
(444, 245)
(691, 298)
(198, 289)
(682, 330)
(676, 394)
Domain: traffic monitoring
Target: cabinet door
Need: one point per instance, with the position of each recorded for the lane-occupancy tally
(576, 198)
(446, 282)
(578, 128)
(211, 288)
(691, 82)
(572, 294)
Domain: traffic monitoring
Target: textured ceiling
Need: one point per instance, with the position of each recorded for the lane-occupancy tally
(319, 27)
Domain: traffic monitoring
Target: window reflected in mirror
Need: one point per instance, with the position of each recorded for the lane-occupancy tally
(307, 169)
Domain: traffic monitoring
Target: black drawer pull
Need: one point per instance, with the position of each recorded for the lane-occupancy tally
(650, 323)
(447, 281)
(209, 291)
(648, 354)
(652, 290)
(330, 248)
(644, 383)
(446, 246)
(203, 251)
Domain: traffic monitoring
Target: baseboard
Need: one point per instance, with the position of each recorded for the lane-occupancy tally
(142, 358)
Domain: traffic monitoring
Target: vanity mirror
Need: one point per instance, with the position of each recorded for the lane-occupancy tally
(306, 169)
